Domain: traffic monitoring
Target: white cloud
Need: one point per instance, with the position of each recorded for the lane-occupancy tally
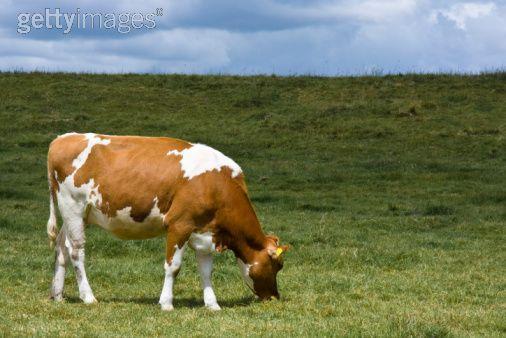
(371, 10)
(461, 13)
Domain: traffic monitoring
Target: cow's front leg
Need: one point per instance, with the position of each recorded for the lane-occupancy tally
(172, 265)
(205, 261)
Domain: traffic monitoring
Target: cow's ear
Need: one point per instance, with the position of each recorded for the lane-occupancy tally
(279, 251)
(273, 238)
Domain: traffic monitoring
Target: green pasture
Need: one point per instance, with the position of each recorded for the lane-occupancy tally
(390, 190)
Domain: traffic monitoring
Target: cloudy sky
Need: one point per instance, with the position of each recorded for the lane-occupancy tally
(324, 37)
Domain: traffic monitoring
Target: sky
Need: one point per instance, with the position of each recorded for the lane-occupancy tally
(284, 37)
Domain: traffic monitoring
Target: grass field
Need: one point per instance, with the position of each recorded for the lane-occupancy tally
(391, 191)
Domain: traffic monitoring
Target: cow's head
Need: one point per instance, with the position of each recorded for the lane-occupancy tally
(260, 275)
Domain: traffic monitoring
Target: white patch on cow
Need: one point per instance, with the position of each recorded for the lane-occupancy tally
(204, 246)
(205, 262)
(73, 200)
(95, 196)
(200, 158)
(76, 255)
(60, 266)
(245, 273)
(124, 226)
(72, 205)
(93, 140)
(202, 242)
(171, 270)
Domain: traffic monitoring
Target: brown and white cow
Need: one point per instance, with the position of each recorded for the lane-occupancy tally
(142, 187)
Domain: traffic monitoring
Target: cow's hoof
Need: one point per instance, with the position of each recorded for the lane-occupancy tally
(167, 307)
(213, 307)
(57, 298)
(89, 299)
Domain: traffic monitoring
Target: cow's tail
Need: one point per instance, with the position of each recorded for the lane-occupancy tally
(52, 226)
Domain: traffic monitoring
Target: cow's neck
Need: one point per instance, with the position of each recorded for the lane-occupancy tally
(242, 232)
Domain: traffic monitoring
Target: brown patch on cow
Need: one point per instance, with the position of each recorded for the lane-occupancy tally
(234, 223)
(239, 179)
(61, 154)
(124, 170)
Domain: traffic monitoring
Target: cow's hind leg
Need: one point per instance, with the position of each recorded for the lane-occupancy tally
(73, 226)
(61, 260)
(205, 261)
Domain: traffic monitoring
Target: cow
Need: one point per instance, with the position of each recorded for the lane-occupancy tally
(142, 187)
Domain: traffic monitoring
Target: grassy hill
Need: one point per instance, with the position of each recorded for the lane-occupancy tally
(391, 191)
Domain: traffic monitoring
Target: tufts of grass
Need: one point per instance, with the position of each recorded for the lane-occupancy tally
(438, 210)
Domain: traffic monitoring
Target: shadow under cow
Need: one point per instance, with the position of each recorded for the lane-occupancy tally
(188, 302)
